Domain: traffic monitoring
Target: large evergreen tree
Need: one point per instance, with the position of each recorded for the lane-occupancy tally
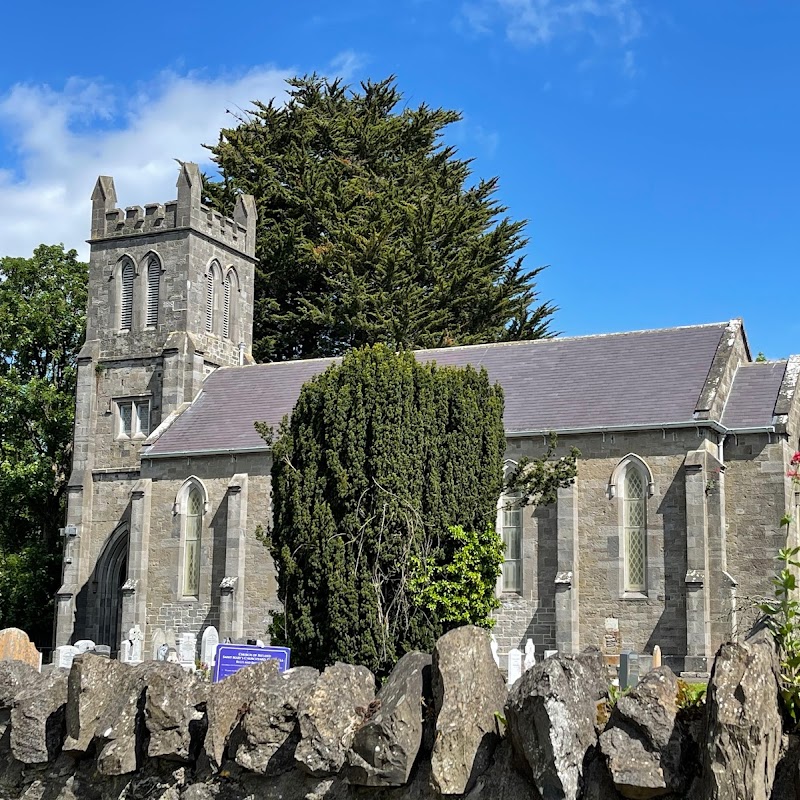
(42, 320)
(381, 458)
(370, 228)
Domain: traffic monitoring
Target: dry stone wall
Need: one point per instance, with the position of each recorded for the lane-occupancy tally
(439, 727)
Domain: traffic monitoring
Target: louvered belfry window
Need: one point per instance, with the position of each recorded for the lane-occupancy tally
(226, 309)
(153, 281)
(191, 552)
(210, 301)
(126, 297)
(635, 530)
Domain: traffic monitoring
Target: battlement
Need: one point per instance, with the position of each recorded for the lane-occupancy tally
(108, 221)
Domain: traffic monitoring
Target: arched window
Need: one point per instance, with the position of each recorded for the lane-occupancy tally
(230, 304)
(213, 278)
(193, 527)
(153, 284)
(226, 308)
(634, 523)
(210, 301)
(191, 505)
(510, 529)
(126, 295)
(632, 484)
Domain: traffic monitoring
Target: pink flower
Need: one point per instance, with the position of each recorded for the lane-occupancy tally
(796, 458)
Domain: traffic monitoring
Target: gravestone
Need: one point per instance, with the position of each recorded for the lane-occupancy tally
(530, 655)
(102, 650)
(548, 653)
(163, 652)
(16, 646)
(137, 642)
(159, 640)
(187, 650)
(125, 651)
(84, 645)
(628, 669)
(656, 657)
(63, 656)
(514, 666)
(172, 656)
(495, 654)
(208, 648)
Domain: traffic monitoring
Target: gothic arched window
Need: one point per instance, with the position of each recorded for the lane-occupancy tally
(210, 300)
(634, 523)
(632, 484)
(230, 304)
(153, 285)
(191, 506)
(126, 295)
(193, 527)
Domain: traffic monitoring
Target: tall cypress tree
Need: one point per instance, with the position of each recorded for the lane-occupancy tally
(370, 229)
(381, 457)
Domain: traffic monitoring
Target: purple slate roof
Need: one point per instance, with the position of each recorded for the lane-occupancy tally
(751, 402)
(640, 378)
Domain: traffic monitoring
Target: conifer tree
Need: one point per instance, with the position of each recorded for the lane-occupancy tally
(382, 458)
(370, 228)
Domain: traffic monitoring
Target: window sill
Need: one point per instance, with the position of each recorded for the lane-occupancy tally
(634, 596)
(189, 599)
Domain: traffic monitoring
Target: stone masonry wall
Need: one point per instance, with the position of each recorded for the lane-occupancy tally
(166, 608)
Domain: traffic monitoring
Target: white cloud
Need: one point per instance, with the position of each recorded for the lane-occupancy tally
(63, 139)
(537, 22)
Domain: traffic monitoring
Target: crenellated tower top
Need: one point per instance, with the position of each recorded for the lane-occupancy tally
(185, 213)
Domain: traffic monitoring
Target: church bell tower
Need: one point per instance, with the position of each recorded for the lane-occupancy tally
(170, 300)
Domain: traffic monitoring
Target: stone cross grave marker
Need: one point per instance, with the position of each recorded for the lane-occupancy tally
(63, 656)
(514, 666)
(495, 654)
(208, 648)
(16, 646)
(187, 650)
(85, 645)
(159, 641)
(530, 655)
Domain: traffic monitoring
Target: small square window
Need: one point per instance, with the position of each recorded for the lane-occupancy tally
(133, 419)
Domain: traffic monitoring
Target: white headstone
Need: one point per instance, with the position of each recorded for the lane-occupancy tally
(495, 655)
(64, 656)
(187, 650)
(172, 655)
(514, 665)
(85, 645)
(259, 643)
(530, 654)
(208, 648)
(548, 653)
(159, 641)
(125, 651)
(137, 641)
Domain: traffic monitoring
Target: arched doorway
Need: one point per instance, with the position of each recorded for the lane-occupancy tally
(112, 572)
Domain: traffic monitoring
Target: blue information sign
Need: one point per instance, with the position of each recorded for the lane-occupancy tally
(232, 657)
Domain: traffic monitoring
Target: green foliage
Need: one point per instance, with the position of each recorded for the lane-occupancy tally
(370, 229)
(760, 358)
(691, 696)
(539, 479)
(42, 306)
(462, 591)
(783, 617)
(385, 469)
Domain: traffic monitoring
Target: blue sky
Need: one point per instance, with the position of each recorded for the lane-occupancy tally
(652, 145)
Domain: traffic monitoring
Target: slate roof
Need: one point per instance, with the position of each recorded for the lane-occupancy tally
(751, 402)
(645, 378)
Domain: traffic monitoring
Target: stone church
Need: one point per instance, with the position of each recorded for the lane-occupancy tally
(666, 538)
